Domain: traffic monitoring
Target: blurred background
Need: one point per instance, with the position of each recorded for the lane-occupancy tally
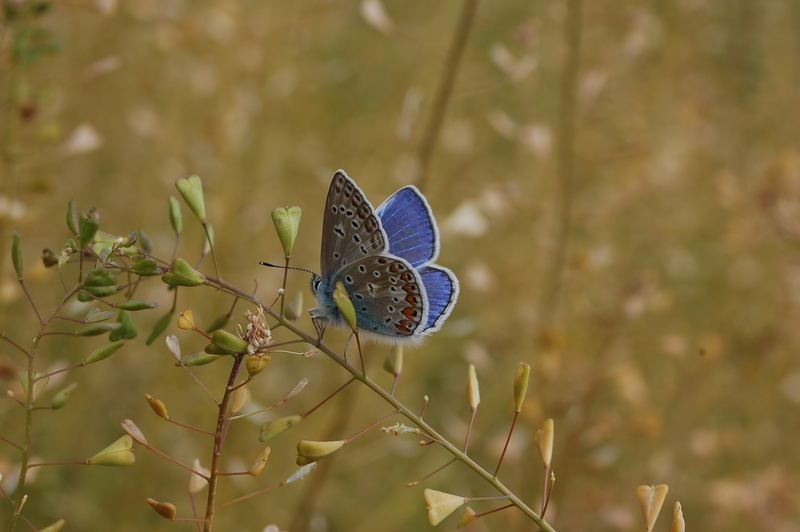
(664, 344)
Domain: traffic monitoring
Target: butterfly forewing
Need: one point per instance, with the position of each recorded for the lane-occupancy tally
(388, 295)
(350, 230)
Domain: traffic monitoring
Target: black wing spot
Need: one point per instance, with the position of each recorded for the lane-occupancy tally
(393, 280)
(338, 230)
(362, 268)
(364, 250)
(363, 309)
(390, 308)
(349, 279)
(334, 209)
(358, 296)
(356, 239)
(396, 299)
(376, 273)
(387, 320)
(383, 260)
(336, 255)
(371, 288)
(349, 212)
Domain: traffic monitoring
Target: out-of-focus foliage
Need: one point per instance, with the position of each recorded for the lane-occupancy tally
(672, 357)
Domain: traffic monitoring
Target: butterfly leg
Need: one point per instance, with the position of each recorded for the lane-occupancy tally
(320, 325)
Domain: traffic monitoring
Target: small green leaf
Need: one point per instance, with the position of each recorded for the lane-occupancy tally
(62, 396)
(87, 229)
(159, 327)
(200, 359)
(127, 330)
(136, 305)
(97, 329)
(103, 352)
(16, 254)
(175, 216)
(94, 315)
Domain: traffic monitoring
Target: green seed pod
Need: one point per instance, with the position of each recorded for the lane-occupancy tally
(199, 359)
(97, 329)
(287, 224)
(261, 461)
(473, 391)
(175, 216)
(394, 361)
(145, 267)
(119, 453)
(214, 349)
(521, 385)
(191, 188)
(231, 343)
(127, 330)
(62, 396)
(72, 217)
(94, 315)
(16, 254)
(159, 327)
(270, 429)
(345, 306)
(145, 242)
(136, 305)
(183, 275)
(99, 277)
(311, 451)
(103, 352)
(87, 229)
(255, 364)
(96, 291)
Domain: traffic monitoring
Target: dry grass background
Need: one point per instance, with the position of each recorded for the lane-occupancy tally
(672, 353)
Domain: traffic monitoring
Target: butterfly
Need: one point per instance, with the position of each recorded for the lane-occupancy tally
(385, 259)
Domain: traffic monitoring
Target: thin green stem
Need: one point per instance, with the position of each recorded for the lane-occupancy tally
(401, 408)
(508, 439)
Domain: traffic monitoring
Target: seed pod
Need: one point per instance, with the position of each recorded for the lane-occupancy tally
(255, 364)
(127, 329)
(183, 275)
(287, 224)
(166, 510)
(270, 429)
(294, 309)
(230, 343)
(55, 527)
(441, 504)
(521, 385)
(133, 431)
(311, 451)
(186, 320)
(158, 406)
(651, 498)
(191, 188)
(72, 217)
(394, 361)
(119, 453)
(62, 396)
(103, 352)
(259, 464)
(544, 439)
(473, 391)
(145, 267)
(175, 216)
(159, 327)
(97, 329)
(87, 228)
(136, 305)
(16, 255)
(199, 359)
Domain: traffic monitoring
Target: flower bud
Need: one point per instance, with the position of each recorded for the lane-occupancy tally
(127, 329)
(186, 321)
(166, 510)
(16, 255)
(191, 188)
(133, 431)
(62, 396)
(287, 223)
(241, 396)
(521, 385)
(310, 451)
(678, 524)
(544, 439)
(294, 309)
(158, 406)
(259, 464)
(55, 527)
(133, 305)
(270, 429)
(393, 363)
(255, 364)
(229, 343)
(441, 504)
(651, 498)
(175, 216)
(182, 274)
(103, 352)
(119, 453)
(473, 391)
(345, 305)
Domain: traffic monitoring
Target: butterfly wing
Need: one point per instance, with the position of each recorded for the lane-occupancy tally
(441, 290)
(410, 228)
(388, 295)
(350, 228)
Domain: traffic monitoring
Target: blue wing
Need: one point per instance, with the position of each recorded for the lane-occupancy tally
(441, 290)
(409, 225)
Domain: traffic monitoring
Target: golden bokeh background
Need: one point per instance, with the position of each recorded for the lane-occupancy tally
(667, 353)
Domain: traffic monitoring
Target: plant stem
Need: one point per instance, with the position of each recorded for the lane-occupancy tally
(445, 90)
(219, 436)
(508, 439)
(401, 408)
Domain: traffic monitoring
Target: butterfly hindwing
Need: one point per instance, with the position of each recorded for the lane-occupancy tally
(410, 228)
(350, 229)
(388, 295)
(441, 290)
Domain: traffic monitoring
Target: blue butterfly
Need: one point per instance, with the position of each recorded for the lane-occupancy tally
(385, 259)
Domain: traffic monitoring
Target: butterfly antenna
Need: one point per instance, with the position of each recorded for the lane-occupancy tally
(269, 264)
